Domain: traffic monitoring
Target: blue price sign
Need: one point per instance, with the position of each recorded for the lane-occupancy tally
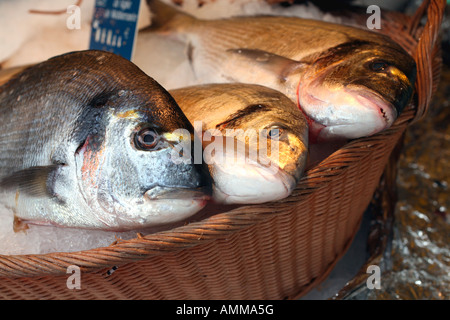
(114, 26)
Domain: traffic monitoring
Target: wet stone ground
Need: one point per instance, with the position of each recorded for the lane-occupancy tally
(416, 263)
(420, 253)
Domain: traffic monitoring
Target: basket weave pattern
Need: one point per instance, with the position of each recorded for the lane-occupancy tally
(272, 251)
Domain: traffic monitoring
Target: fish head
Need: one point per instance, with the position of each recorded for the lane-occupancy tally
(263, 154)
(357, 89)
(129, 166)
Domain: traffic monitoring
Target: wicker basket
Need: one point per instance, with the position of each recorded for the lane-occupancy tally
(272, 251)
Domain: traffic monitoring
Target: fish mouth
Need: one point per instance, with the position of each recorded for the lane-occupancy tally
(348, 113)
(245, 175)
(251, 184)
(375, 102)
(173, 193)
(164, 205)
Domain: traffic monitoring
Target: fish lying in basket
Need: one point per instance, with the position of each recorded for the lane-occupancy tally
(86, 142)
(255, 139)
(349, 82)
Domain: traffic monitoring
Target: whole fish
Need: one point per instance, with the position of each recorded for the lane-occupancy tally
(86, 140)
(263, 143)
(348, 81)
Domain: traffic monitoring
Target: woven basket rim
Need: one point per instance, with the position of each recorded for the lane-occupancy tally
(196, 233)
(222, 224)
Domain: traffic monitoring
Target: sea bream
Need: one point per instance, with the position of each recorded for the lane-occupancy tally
(349, 82)
(86, 141)
(255, 139)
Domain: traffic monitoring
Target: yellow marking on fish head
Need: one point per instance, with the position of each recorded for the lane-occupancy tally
(130, 114)
(399, 74)
(178, 136)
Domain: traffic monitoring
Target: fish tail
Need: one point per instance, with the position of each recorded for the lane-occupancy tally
(166, 18)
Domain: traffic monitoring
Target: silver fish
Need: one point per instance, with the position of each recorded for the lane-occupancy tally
(264, 139)
(86, 142)
(348, 81)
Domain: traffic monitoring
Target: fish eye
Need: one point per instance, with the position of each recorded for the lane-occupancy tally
(146, 139)
(275, 133)
(378, 65)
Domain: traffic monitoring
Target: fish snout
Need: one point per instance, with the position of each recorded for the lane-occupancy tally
(250, 183)
(174, 193)
(364, 122)
(350, 114)
(374, 101)
(186, 162)
(171, 204)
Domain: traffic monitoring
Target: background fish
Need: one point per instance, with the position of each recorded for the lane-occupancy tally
(240, 177)
(86, 141)
(348, 81)
(7, 74)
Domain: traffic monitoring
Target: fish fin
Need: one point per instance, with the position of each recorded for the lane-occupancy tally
(19, 225)
(281, 66)
(165, 17)
(33, 181)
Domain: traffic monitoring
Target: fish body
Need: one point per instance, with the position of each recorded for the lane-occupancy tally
(263, 143)
(349, 82)
(86, 140)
